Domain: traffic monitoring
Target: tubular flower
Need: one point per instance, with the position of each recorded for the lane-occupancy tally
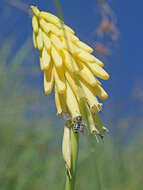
(70, 68)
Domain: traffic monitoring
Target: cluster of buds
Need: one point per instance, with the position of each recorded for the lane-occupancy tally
(70, 68)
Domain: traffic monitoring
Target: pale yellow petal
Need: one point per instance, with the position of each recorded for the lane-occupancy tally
(84, 46)
(97, 70)
(46, 58)
(44, 26)
(88, 76)
(54, 29)
(48, 80)
(57, 59)
(71, 102)
(49, 17)
(86, 57)
(35, 24)
(60, 102)
(47, 42)
(56, 42)
(66, 147)
(60, 81)
(69, 62)
(67, 28)
(74, 86)
(100, 92)
(34, 40)
(39, 40)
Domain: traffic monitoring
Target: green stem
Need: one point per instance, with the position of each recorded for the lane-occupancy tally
(70, 181)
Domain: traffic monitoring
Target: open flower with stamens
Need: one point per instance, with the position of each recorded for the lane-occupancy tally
(70, 68)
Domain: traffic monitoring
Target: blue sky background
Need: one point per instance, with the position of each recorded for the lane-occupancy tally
(124, 65)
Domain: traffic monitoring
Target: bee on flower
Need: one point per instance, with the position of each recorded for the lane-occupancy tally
(69, 67)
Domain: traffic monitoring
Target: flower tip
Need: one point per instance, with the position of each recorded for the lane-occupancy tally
(107, 76)
(105, 97)
(35, 10)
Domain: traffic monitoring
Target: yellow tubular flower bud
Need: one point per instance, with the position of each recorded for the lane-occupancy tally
(97, 70)
(100, 92)
(71, 37)
(54, 29)
(67, 44)
(94, 105)
(39, 40)
(86, 57)
(60, 104)
(75, 88)
(67, 28)
(34, 40)
(45, 59)
(35, 24)
(98, 62)
(47, 42)
(49, 17)
(69, 62)
(43, 25)
(87, 76)
(56, 42)
(71, 102)
(84, 46)
(66, 147)
(35, 11)
(48, 80)
(72, 48)
(59, 81)
(57, 59)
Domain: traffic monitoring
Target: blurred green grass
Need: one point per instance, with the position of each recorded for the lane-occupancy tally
(30, 147)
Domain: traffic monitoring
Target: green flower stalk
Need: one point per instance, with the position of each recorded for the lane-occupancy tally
(69, 67)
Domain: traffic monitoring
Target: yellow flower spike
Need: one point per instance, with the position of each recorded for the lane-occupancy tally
(56, 42)
(43, 25)
(34, 40)
(45, 59)
(61, 107)
(71, 101)
(100, 92)
(49, 17)
(57, 59)
(39, 40)
(93, 103)
(35, 24)
(54, 29)
(48, 80)
(88, 76)
(66, 147)
(59, 81)
(47, 42)
(35, 11)
(84, 46)
(69, 62)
